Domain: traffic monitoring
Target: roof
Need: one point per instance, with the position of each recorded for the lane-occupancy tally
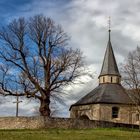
(109, 66)
(106, 93)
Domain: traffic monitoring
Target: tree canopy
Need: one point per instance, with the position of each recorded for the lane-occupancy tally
(36, 61)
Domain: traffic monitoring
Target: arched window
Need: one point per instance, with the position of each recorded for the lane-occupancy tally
(115, 112)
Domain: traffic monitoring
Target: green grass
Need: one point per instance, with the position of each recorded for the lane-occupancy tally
(70, 134)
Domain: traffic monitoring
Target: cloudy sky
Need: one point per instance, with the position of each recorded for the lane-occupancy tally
(86, 22)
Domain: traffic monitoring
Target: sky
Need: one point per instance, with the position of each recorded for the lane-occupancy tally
(86, 22)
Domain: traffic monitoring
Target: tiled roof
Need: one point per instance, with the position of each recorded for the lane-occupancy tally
(106, 93)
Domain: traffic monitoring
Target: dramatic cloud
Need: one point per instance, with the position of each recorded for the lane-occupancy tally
(86, 22)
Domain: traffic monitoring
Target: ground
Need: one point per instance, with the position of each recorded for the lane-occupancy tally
(70, 134)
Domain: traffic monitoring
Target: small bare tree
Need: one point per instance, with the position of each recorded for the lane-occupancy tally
(35, 59)
(131, 76)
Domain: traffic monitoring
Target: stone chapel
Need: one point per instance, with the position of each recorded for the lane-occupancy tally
(109, 101)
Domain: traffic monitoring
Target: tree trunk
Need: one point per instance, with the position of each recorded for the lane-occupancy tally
(44, 107)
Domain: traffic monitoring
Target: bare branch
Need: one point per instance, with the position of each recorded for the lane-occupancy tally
(36, 60)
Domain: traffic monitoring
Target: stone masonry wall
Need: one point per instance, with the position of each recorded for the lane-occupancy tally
(103, 112)
(92, 111)
(65, 123)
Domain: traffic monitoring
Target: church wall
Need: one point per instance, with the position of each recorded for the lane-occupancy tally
(127, 113)
(91, 111)
(103, 112)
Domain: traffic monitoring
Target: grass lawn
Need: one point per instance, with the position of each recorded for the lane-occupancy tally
(70, 134)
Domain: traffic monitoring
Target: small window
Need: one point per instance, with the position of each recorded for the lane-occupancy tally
(115, 112)
(111, 79)
(137, 117)
(103, 79)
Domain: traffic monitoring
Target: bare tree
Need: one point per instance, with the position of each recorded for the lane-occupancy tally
(131, 76)
(36, 60)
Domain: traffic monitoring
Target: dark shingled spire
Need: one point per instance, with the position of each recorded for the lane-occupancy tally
(109, 66)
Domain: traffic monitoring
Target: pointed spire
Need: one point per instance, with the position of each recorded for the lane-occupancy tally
(109, 34)
(109, 66)
(109, 27)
